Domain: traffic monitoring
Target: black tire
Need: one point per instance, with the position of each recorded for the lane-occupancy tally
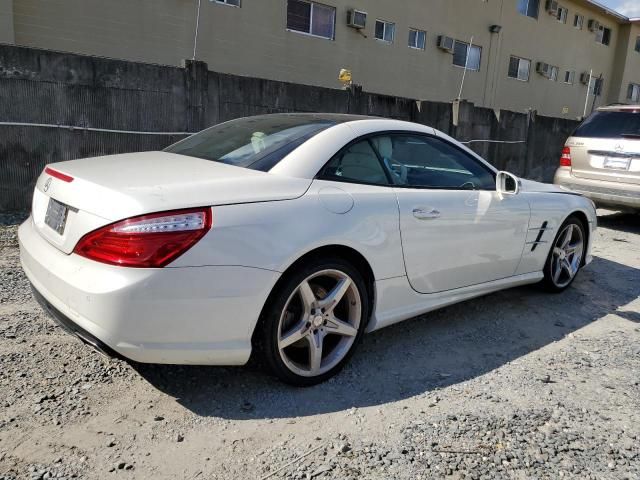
(269, 333)
(548, 282)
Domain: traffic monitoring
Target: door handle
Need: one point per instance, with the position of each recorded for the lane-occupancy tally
(423, 213)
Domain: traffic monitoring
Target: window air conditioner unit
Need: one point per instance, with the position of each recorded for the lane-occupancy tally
(593, 25)
(445, 43)
(543, 69)
(552, 7)
(584, 78)
(356, 19)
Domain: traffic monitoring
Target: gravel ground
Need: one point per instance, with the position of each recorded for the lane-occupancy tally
(518, 384)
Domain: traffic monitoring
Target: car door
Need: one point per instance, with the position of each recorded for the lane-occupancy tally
(456, 229)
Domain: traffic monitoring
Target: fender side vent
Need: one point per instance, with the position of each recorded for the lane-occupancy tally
(538, 240)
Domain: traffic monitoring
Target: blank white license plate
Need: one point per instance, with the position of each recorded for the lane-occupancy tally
(56, 216)
(616, 163)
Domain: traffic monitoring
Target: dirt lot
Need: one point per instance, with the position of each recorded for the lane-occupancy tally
(519, 384)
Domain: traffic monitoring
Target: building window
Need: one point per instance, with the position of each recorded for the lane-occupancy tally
(553, 74)
(597, 87)
(529, 8)
(233, 3)
(562, 15)
(465, 55)
(519, 68)
(633, 94)
(578, 21)
(603, 35)
(417, 38)
(385, 31)
(569, 77)
(638, 44)
(311, 18)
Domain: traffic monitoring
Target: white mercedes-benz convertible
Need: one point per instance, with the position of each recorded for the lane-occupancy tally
(290, 235)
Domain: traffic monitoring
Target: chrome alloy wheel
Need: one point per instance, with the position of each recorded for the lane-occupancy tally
(319, 323)
(567, 255)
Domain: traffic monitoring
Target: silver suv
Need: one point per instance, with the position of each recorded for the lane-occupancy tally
(601, 159)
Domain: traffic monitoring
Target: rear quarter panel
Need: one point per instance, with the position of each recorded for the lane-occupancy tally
(273, 235)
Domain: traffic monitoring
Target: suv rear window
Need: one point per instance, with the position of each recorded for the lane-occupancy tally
(610, 124)
(258, 143)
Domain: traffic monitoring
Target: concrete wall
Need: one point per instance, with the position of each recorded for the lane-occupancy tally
(561, 45)
(6, 22)
(154, 31)
(627, 63)
(40, 86)
(253, 41)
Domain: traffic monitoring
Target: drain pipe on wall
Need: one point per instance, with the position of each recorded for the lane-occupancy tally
(195, 36)
(464, 72)
(456, 103)
(586, 100)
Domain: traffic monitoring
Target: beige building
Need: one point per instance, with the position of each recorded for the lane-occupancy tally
(525, 54)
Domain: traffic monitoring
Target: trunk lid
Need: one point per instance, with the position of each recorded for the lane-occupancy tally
(110, 188)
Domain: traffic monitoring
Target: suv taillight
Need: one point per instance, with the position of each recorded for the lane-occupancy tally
(565, 159)
(147, 241)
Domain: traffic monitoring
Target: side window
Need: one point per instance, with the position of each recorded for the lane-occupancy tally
(358, 163)
(429, 162)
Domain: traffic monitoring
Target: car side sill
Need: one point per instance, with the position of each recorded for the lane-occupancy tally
(397, 301)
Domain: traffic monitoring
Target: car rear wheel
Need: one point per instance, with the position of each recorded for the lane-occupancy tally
(314, 321)
(566, 256)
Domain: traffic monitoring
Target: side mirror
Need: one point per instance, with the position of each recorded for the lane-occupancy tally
(507, 183)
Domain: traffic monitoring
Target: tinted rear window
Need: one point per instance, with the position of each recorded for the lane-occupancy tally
(610, 125)
(258, 143)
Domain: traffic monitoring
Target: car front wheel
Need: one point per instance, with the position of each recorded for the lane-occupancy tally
(566, 256)
(314, 321)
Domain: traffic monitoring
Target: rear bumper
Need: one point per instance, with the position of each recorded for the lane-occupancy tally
(74, 329)
(603, 193)
(191, 315)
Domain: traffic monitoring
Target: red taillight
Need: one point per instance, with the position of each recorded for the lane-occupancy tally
(58, 175)
(147, 241)
(565, 159)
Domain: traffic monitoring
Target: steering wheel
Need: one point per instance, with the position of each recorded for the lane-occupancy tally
(398, 170)
(466, 185)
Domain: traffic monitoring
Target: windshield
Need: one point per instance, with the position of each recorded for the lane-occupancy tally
(610, 124)
(258, 143)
